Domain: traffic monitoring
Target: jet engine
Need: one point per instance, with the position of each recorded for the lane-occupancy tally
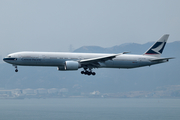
(70, 65)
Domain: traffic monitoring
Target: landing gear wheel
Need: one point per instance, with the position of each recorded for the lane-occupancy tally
(16, 70)
(86, 72)
(89, 73)
(82, 72)
(93, 73)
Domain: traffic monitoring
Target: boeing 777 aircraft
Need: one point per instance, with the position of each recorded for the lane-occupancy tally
(73, 61)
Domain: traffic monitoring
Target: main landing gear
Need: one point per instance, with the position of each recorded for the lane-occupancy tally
(88, 72)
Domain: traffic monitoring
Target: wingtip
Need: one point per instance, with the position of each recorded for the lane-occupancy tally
(125, 52)
(166, 34)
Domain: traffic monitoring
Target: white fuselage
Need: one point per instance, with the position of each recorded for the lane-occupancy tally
(58, 59)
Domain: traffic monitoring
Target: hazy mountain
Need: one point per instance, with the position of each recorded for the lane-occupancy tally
(106, 80)
(130, 47)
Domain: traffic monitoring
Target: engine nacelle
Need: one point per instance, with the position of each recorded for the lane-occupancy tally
(70, 65)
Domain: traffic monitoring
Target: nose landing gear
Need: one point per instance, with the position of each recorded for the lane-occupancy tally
(16, 69)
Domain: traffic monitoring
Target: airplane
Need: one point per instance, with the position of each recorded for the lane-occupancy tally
(65, 61)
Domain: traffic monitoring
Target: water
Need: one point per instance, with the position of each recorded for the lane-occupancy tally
(90, 109)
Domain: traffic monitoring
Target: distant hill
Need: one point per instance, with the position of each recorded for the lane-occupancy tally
(106, 80)
(131, 47)
(134, 48)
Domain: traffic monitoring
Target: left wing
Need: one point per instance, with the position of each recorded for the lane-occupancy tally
(100, 59)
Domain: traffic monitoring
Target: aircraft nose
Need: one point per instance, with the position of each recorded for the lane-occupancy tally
(4, 59)
(9, 59)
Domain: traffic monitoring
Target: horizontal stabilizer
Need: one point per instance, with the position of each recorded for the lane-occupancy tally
(161, 59)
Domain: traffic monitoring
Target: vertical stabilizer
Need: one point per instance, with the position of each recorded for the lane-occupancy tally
(157, 48)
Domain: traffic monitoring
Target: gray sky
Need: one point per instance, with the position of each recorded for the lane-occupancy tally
(55, 25)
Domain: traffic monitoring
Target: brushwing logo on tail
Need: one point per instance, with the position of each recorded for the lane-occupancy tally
(157, 48)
